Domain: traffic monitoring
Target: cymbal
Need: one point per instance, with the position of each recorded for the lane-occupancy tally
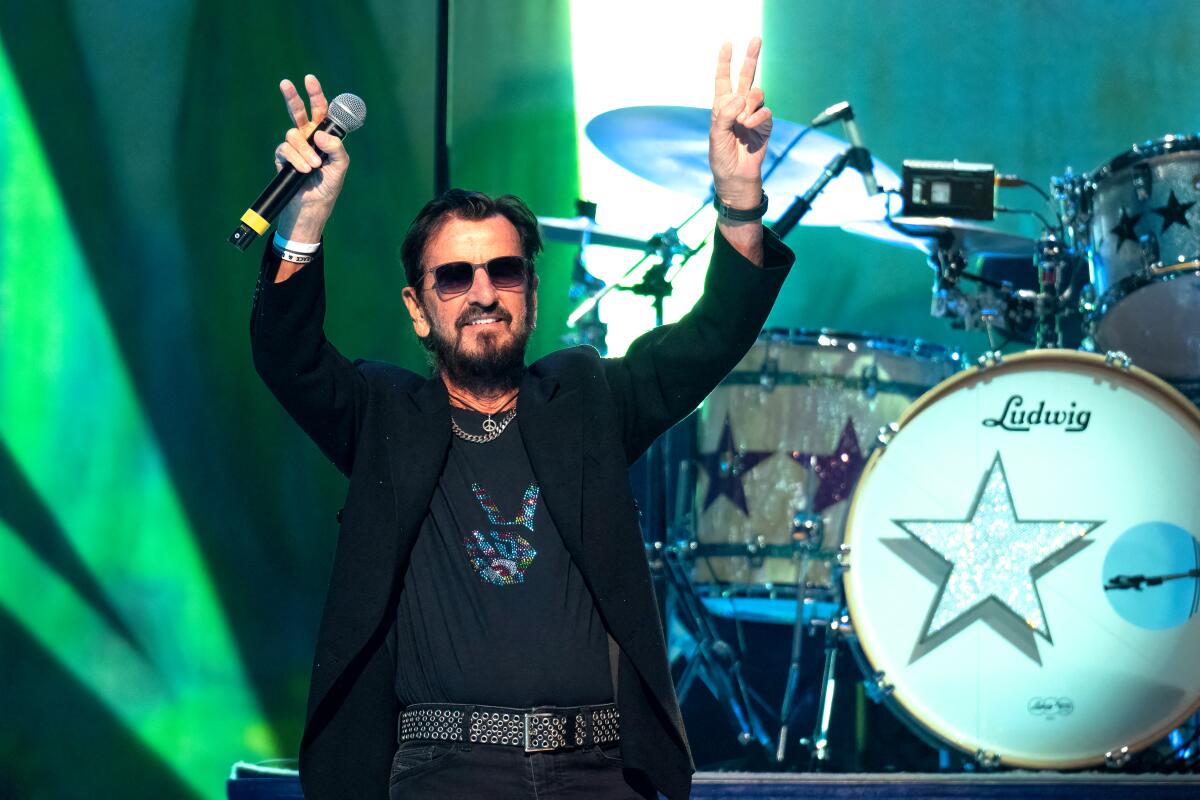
(573, 230)
(669, 146)
(972, 238)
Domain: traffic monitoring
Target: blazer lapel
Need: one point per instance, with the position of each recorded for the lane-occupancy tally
(416, 456)
(551, 429)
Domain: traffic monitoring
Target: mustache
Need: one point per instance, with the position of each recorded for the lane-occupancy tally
(471, 315)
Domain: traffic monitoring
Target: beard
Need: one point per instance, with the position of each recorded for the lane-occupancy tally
(495, 367)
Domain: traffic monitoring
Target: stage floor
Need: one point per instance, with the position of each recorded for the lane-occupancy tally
(865, 786)
(1008, 785)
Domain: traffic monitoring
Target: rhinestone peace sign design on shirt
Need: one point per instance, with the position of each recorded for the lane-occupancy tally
(501, 557)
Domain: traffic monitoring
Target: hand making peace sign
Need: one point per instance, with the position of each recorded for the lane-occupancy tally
(305, 216)
(741, 125)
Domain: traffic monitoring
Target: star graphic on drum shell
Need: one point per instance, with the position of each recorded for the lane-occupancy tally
(725, 468)
(837, 471)
(1124, 229)
(1173, 212)
(994, 555)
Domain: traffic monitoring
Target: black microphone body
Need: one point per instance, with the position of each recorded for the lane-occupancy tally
(279, 192)
(346, 113)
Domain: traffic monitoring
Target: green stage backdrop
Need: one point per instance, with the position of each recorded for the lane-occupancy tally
(165, 530)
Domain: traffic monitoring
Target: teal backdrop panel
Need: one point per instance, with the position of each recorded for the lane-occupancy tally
(1032, 86)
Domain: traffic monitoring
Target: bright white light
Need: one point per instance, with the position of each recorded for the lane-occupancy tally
(632, 53)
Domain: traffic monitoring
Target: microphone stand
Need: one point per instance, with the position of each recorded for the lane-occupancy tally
(1136, 582)
(802, 204)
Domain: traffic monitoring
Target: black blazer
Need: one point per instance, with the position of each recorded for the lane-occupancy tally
(584, 419)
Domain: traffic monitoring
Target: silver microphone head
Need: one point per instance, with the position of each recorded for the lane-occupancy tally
(348, 111)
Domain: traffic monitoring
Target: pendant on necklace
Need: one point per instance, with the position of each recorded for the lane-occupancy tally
(489, 425)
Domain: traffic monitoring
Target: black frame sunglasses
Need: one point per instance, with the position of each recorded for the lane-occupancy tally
(457, 277)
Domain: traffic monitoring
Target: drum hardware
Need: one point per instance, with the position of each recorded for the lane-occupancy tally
(808, 533)
(800, 207)
(768, 375)
(590, 329)
(714, 661)
(665, 246)
(878, 687)
(991, 358)
(986, 760)
(834, 633)
(1118, 359)
(1136, 582)
(869, 380)
(1051, 261)
(1115, 759)
(881, 440)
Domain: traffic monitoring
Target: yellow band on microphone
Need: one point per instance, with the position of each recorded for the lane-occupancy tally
(256, 222)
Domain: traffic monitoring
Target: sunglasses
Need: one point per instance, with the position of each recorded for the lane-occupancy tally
(505, 272)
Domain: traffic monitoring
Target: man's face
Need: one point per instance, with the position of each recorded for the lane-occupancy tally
(478, 337)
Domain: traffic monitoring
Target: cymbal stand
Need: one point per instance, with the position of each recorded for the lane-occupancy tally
(716, 662)
(588, 328)
(808, 531)
(1051, 258)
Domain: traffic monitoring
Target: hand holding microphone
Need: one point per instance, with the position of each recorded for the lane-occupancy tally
(311, 164)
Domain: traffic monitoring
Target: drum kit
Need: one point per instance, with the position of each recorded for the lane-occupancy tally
(1008, 546)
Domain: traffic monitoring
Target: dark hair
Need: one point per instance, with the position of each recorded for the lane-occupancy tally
(466, 205)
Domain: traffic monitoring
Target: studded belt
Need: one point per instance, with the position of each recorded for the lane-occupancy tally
(536, 730)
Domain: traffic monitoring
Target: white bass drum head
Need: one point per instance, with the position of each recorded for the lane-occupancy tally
(980, 541)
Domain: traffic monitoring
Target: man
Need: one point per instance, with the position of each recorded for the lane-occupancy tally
(490, 628)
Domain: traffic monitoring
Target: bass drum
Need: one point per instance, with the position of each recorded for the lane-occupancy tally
(979, 544)
(786, 434)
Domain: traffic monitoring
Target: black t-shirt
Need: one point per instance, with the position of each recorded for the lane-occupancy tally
(493, 610)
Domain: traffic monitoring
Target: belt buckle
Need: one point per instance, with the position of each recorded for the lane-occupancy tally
(546, 732)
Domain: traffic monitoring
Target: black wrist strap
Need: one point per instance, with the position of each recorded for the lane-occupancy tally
(741, 214)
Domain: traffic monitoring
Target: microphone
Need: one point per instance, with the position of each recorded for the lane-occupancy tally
(346, 114)
(860, 157)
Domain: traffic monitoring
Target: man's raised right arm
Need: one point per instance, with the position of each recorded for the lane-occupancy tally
(322, 390)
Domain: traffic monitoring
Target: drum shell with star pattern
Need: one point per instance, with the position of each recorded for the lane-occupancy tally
(794, 394)
(1138, 220)
(1113, 673)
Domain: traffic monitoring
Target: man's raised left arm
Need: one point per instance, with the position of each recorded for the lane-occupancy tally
(668, 371)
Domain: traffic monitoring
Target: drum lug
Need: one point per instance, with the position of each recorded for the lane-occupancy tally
(1115, 759)
(808, 531)
(1143, 181)
(754, 551)
(884, 437)
(991, 358)
(1118, 360)
(987, 759)
(878, 687)
(869, 380)
(1151, 260)
(768, 374)
(843, 556)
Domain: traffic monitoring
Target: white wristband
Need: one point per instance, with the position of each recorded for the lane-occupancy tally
(296, 247)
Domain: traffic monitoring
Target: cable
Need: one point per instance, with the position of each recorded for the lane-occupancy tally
(1028, 211)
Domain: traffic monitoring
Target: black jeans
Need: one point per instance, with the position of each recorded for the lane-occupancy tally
(441, 771)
